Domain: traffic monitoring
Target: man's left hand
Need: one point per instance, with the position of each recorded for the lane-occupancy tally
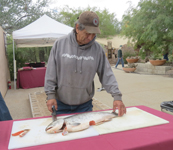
(121, 108)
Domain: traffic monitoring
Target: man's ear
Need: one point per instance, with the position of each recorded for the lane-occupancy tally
(77, 30)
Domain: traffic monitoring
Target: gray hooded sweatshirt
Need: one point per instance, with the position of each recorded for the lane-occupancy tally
(71, 70)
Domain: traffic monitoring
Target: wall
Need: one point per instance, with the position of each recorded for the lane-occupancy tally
(4, 69)
(148, 68)
(116, 41)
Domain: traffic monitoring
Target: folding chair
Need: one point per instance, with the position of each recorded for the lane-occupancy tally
(4, 112)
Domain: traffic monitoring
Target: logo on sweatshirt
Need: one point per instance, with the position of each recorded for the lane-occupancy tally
(78, 57)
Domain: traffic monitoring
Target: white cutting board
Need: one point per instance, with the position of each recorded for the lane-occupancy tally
(133, 119)
(38, 136)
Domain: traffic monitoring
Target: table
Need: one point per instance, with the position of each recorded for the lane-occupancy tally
(31, 78)
(155, 138)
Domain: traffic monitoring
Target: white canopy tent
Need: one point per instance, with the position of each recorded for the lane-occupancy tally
(40, 33)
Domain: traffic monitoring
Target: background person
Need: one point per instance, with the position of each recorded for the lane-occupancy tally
(73, 62)
(120, 58)
(165, 56)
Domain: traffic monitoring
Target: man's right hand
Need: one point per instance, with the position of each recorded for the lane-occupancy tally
(50, 103)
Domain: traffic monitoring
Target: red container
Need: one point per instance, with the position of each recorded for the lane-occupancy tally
(9, 84)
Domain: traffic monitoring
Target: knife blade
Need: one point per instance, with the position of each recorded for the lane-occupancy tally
(54, 113)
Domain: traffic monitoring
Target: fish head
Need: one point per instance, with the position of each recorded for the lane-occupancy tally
(55, 126)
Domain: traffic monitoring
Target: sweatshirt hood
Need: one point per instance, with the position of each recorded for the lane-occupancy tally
(74, 42)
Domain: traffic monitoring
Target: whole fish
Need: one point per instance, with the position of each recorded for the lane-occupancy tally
(79, 122)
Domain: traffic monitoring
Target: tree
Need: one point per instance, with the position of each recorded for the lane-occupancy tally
(150, 25)
(19, 13)
(16, 14)
(109, 25)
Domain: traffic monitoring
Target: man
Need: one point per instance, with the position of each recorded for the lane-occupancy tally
(165, 56)
(120, 58)
(73, 62)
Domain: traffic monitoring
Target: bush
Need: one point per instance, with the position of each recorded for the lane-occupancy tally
(128, 54)
(128, 51)
(20, 62)
(155, 56)
(142, 53)
(170, 57)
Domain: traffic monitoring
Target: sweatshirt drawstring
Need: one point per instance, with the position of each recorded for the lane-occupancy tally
(81, 66)
(76, 67)
(77, 57)
(76, 61)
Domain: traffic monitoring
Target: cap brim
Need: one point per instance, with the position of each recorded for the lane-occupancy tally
(91, 29)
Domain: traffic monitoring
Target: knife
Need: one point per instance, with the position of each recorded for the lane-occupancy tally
(54, 113)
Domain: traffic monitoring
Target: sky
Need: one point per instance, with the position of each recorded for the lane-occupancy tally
(113, 6)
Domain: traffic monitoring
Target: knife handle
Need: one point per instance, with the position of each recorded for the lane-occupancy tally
(54, 110)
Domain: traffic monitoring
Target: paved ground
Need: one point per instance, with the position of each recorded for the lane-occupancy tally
(137, 89)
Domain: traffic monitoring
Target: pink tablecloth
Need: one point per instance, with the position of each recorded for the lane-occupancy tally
(150, 138)
(31, 78)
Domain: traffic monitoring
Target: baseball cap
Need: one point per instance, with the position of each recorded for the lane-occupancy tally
(91, 21)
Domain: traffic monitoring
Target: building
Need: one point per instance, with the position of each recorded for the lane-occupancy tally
(4, 69)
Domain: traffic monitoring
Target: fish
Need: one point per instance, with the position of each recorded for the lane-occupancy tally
(79, 122)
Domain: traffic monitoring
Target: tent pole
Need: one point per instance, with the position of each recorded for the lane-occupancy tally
(14, 66)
